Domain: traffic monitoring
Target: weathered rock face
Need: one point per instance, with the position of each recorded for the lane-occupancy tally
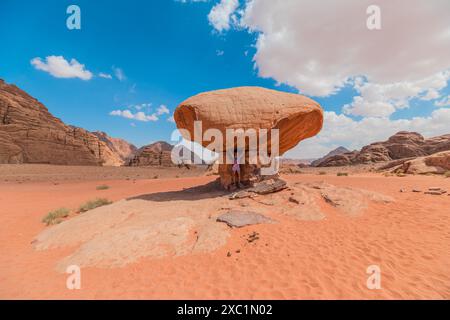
(155, 154)
(29, 133)
(297, 118)
(335, 152)
(436, 163)
(401, 145)
(124, 149)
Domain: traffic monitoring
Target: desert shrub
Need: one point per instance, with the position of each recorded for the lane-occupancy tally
(447, 174)
(399, 174)
(155, 176)
(102, 187)
(55, 216)
(342, 174)
(92, 204)
(322, 173)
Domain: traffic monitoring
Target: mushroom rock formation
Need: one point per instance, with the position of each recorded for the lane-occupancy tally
(297, 118)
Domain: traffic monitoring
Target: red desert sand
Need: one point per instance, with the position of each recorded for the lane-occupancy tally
(179, 251)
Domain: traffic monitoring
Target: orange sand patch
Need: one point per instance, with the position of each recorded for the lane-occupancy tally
(294, 259)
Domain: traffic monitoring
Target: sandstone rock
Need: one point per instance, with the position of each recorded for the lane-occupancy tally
(297, 118)
(155, 154)
(336, 152)
(29, 133)
(262, 188)
(399, 146)
(437, 163)
(124, 149)
(238, 219)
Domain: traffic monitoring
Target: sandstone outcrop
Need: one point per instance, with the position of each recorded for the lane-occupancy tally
(437, 163)
(123, 148)
(297, 118)
(336, 152)
(401, 145)
(155, 154)
(29, 133)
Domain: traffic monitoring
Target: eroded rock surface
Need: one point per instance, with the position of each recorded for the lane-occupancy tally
(399, 146)
(238, 218)
(29, 133)
(297, 118)
(155, 154)
(185, 222)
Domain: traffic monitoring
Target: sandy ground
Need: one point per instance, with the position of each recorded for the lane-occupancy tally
(409, 239)
(23, 173)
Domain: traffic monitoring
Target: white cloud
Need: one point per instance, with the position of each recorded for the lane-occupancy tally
(105, 75)
(141, 106)
(221, 15)
(341, 130)
(139, 116)
(118, 72)
(318, 46)
(162, 109)
(171, 119)
(382, 100)
(59, 67)
(219, 53)
(445, 102)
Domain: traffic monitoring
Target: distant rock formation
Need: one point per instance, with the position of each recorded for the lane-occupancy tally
(155, 154)
(437, 163)
(335, 152)
(401, 145)
(29, 133)
(296, 162)
(121, 147)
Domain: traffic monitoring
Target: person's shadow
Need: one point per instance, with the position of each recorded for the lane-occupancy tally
(207, 191)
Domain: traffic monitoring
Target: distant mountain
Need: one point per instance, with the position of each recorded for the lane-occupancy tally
(121, 147)
(335, 152)
(402, 145)
(29, 133)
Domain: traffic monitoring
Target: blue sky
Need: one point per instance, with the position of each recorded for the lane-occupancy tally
(169, 50)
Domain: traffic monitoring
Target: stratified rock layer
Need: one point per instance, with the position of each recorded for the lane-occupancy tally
(29, 133)
(155, 154)
(123, 148)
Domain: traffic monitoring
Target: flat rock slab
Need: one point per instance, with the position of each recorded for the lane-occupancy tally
(267, 187)
(238, 219)
(262, 188)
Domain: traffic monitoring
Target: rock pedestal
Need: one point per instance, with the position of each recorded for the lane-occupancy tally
(249, 174)
(249, 109)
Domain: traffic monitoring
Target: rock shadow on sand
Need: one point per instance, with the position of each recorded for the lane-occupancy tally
(207, 191)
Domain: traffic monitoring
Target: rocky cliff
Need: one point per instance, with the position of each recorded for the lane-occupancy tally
(123, 148)
(401, 145)
(335, 152)
(29, 133)
(155, 154)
